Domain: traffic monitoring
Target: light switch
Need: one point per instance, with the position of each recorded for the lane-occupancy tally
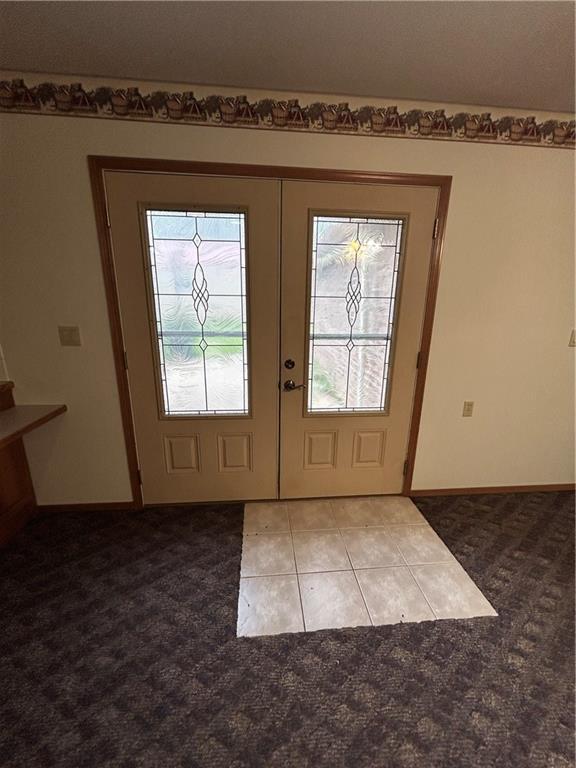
(69, 336)
(468, 408)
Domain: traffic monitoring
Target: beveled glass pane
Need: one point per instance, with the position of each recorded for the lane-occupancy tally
(366, 377)
(178, 318)
(172, 227)
(198, 274)
(220, 228)
(224, 378)
(334, 231)
(373, 322)
(222, 266)
(175, 260)
(223, 323)
(327, 383)
(378, 233)
(355, 266)
(184, 376)
(330, 318)
(333, 270)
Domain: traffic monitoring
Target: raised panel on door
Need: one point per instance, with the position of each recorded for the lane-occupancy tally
(197, 261)
(355, 264)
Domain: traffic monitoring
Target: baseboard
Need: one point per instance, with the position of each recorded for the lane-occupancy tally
(494, 489)
(108, 506)
(104, 506)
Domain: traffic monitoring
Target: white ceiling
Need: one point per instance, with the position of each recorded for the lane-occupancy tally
(507, 54)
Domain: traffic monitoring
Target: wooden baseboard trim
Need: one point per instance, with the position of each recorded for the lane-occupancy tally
(110, 506)
(104, 506)
(494, 489)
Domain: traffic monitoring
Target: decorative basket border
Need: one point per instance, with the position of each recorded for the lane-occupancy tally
(107, 102)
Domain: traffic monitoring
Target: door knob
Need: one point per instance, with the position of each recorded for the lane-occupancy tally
(290, 384)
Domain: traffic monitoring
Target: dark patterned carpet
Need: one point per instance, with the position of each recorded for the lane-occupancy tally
(118, 648)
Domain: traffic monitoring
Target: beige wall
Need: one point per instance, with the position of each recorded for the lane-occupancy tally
(504, 314)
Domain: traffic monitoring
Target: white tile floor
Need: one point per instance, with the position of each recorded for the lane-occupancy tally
(329, 563)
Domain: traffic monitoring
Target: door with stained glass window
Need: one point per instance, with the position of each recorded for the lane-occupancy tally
(197, 263)
(355, 261)
(230, 400)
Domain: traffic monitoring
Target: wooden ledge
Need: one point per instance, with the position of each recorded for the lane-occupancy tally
(20, 419)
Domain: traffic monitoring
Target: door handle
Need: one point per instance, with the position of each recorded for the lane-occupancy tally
(290, 385)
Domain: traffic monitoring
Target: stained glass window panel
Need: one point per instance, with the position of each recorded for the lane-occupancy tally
(354, 280)
(197, 261)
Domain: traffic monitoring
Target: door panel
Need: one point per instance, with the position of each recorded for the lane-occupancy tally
(355, 262)
(196, 262)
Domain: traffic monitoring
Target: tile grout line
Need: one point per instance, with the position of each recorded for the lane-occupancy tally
(356, 579)
(450, 618)
(354, 569)
(403, 564)
(385, 525)
(279, 574)
(296, 569)
(436, 618)
(238, 628)
(453, 560)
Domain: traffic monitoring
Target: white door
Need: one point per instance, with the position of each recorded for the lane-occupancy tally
(196, 262)
(355, 263)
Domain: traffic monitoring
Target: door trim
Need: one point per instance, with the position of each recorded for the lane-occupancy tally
(98, 164)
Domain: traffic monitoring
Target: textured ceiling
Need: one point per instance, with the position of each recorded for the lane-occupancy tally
(506, 54)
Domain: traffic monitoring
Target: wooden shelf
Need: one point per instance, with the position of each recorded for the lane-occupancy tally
(20, 419)
(17, 497)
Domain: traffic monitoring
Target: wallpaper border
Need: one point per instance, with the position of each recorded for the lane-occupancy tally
(130, 103)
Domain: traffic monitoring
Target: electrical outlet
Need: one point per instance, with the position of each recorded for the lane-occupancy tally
(468, 408)
(69, 336)
(572, 342)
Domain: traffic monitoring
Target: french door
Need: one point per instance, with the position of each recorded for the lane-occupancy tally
(197, 270)
(355, 261)
(271, 331)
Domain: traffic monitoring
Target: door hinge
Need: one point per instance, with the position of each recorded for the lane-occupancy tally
(139, 475)
(418, 359)
(125, 360)
(405, 469)
(436, 228)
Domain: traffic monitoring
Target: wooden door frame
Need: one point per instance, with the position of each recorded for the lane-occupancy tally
(98, 164)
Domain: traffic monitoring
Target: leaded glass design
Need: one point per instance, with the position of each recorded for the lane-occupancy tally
(355, 267)
(197, 262)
